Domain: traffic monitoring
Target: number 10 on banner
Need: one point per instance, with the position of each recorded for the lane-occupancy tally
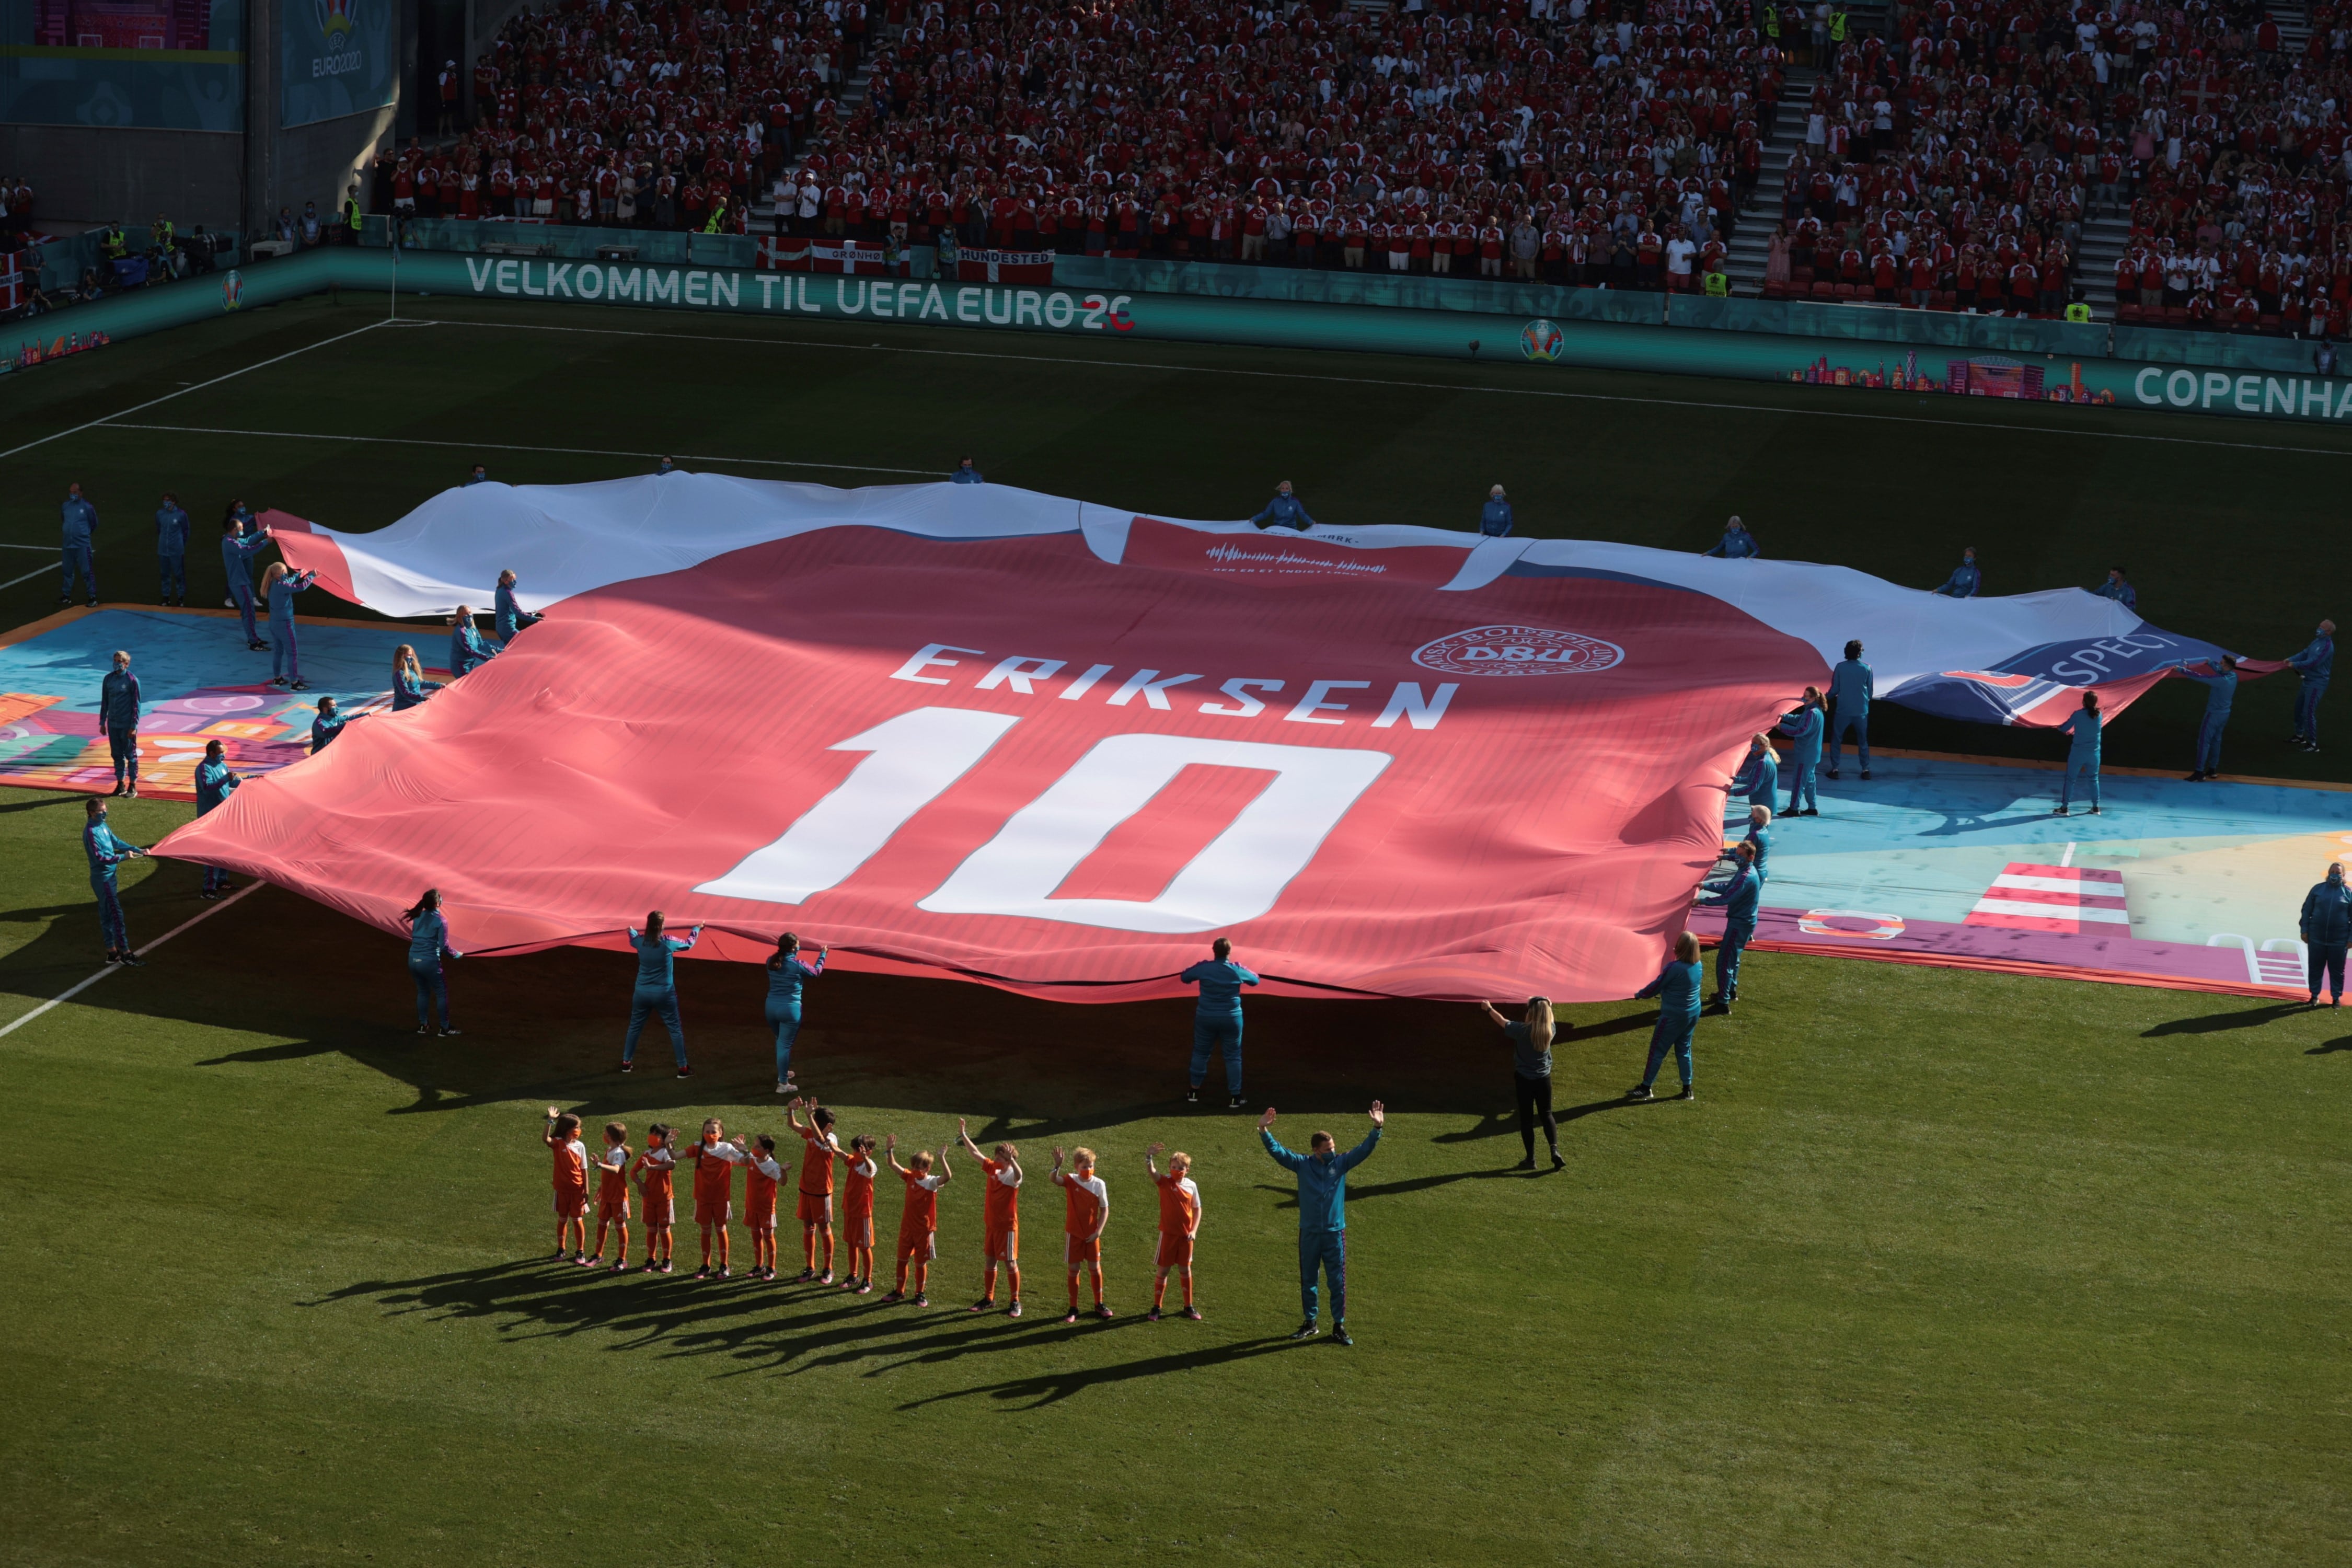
(911, 761)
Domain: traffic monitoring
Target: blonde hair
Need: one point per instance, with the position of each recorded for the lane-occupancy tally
(1686, 948)
(1082, 1156)
(922, 1160)
(1180, 1161)
(277, 569)
(1540, 1026)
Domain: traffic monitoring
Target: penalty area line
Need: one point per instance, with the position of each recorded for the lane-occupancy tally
(511, 447)
(71, 992)
(2001, 425)
(199, 386)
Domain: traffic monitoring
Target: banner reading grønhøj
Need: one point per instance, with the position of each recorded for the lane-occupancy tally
(338, 56)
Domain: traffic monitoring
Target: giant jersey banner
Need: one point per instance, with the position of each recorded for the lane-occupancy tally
(977, 731)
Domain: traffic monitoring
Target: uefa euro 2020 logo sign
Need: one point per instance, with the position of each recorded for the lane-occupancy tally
(335, 19)
(1539, 340)
(231, 291)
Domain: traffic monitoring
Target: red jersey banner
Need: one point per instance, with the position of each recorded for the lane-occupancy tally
(976, 731)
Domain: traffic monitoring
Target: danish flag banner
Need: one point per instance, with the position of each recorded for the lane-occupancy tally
(785, 254)
(973, 731)
(1005, 266)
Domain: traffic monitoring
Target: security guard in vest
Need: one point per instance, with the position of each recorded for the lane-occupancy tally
(351, 222)
(1772, 28)
(110, 244)
(1713, 283)
(718, 216)
(1837, 34)
(2076, 310)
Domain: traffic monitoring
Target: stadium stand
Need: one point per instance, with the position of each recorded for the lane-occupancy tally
(2179, 166)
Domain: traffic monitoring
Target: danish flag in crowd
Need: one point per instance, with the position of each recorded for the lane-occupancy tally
(1006, 266)
(2026, 897)
(789, 254)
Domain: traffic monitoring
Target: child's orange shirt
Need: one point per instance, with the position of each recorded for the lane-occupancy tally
(761, 1178)
(1179, 1205)
(658, 1165)
(714, 1171)
(1087, 1196)
(613, 1181)
(570, 1168)
(857, 1191)
(922, 1202)
(1003, 1209)
(816, 1167)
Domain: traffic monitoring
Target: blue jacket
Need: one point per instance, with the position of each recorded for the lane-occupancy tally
(408, 691)
(467, 651)
(1962, 583)
(1221, 982)
(213, 785)
(428, 939)
(1322, 1180)
(1759, 777)
(1676, 989)
(2317, 661)
(1736, 545)
(1760, 837)
(2085, 726)
(1738, 897)
(281, 596)
(511, 616)
(171, 532)
(785, 980)
(475, 480)
(1495, 518)
(657, 958)
(967, 477)
(118, 700)
(1805, 727)
(2123, 594)
(237, 558)
(1284, 511)
(324, 729)
(2328, 915)
(2220, 689)
(81, 519)
(1851, 686)
(104, 849)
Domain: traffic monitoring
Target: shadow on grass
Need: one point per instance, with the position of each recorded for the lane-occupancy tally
(2345, 1044)
(2216, 1023)
(1053, 1387)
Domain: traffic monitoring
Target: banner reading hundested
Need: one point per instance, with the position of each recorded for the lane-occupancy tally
(974, 730)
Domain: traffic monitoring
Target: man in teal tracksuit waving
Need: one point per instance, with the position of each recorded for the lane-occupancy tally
(1322, 1173)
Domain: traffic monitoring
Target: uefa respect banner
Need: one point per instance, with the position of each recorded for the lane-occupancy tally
(972, 730)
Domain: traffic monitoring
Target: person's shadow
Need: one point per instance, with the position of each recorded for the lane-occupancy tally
(2216, 1023)
(1053, 1387)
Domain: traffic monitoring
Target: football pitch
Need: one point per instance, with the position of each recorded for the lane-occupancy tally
(1938, 1266)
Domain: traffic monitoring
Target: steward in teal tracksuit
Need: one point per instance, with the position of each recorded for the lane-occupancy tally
(238, 548)
(1737, 898)
(1804, 727)
(1759, 776)
(2311, 667)
(2221, 692)
(1217, 1017)
(1322, 1176)
(2082, 754)
(106, 852)
(1964, 579)
(215, 785)
(1851, 686)
(172, 550)
(1676, 989)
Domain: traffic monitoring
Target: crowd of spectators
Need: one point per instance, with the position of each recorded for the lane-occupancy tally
(1532, 138)
(1950, 162)
(1953, 163)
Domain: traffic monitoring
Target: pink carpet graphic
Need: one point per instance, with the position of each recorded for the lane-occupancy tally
(976, 731)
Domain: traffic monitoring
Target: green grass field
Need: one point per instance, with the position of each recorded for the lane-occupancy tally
(1939, 1267)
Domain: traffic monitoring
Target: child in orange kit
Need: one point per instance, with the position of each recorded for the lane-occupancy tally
(919, 1223)
(760, 1182)
(562, 1137)
(651, 1174)
(816, 1186)
(612, 1195)
(1087, 1211)
(714, 1160)
(1001, 1239)
(1180, 1222)
(858, 1213)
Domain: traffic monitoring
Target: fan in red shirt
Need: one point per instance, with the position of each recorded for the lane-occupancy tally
(919, 1223)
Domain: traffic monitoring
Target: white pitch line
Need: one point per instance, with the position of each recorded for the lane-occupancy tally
(512, 447)
(27, 547)
(182, 391)
(1416, 385)
(72, 992)
(35, 572)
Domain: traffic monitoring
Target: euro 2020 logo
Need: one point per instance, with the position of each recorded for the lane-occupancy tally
(1518, 650)
(231, 291)
(1541, 341)
(335, 19)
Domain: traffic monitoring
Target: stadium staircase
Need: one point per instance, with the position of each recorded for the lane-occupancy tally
(1751, 233)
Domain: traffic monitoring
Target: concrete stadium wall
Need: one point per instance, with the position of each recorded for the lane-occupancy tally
(127, 175)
